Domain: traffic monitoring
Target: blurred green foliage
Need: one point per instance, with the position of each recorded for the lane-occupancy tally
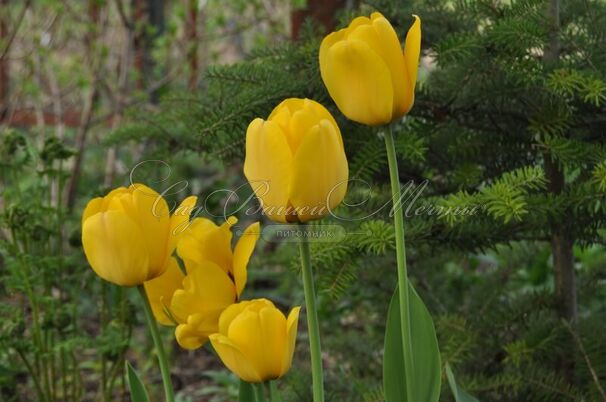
(489, 113)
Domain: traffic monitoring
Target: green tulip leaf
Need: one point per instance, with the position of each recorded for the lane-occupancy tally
(459, 394)
(137, 390)
(426, 354)
(247, 392)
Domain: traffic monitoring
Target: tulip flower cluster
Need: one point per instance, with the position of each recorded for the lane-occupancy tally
(215, 277)
(129, 237)
(296, 165)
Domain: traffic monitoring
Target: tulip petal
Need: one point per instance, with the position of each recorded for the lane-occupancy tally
(149, 211)
(205, 241)
(323, 113)
(115, 193)
(256, 338)
(195, 332)
(268, 167)
(383, 39)
(242, 252)
(292, 323)
(300, 123)
(208, 290)
(296, 116)
(231, 312)
(320, 173)
(115, 249)
(234, 359)
(188, 337)
(412, 51)
(357, 22)
(160, 290)
(359, 82)
(326, 44)
(94, 206)
(154, 219)
(281, 114)
(228, 315)
(273, 332)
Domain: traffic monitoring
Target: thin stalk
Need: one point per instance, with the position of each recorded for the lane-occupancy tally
(104, 318)
(259, 394)
(51, 352)
(312, 321)
(118, 365)
(25, 273)
(45, 366)
(153, 328)
(63, 373)
(274, 395)
(401, 262)
(115, 369)
(123, 319)
(74, 370)
(32, 373)
(103, 378)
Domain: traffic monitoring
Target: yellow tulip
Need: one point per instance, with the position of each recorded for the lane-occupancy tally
(128, 236)
(215, 277)
(365, 71)
(160, 291)
(205, 241)
(255, 340)
(295, 161)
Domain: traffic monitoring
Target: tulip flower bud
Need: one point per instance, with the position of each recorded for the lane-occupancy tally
(129, 235)
(295, 161)
(365, 71)
(255, 340)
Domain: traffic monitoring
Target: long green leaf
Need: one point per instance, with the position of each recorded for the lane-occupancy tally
(426, 354)
(137, 390)
(247, 392)
(459, 394)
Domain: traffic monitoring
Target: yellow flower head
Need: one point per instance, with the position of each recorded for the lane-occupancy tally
(295, 161)
(255, 340)
(365, 71)
(129, 235)
(215, 277)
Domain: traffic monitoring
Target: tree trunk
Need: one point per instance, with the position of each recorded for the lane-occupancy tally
(4, 64)
(561, 241)
(94, 10)
(561, 248)
(155, 10)
(192, 43)
(322, 11)
(146, 14)
(139, 24)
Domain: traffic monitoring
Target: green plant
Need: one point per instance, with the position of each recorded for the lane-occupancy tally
(45, 321)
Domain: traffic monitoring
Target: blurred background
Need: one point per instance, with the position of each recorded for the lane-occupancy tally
(510, 116)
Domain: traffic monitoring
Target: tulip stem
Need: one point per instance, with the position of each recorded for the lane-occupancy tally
(401, 262)
(153, 328)
(312, 321)
(259, 392)
(274, 396)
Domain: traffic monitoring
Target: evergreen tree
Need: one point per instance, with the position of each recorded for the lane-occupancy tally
(510, 118)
